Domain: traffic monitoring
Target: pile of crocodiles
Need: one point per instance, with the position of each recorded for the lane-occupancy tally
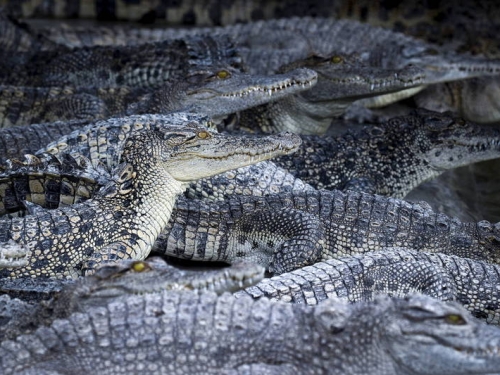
(144, 228)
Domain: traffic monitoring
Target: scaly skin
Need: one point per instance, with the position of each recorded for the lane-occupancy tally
(48, 181)
(13, 255)
(287, 231)
(394, 157)
(122, 220)
(214, 91)
(299, 37)
(342, 80)
(200, 334)
(396, 272)
(17, 141)
(388, 159)
(112, 283)
(149, 65)
(17, 37)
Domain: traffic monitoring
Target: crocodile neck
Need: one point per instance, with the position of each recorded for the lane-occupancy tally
(147, 200)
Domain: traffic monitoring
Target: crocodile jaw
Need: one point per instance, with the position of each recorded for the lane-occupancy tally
(230, 152)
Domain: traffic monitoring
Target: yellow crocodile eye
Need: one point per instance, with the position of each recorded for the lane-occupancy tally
(223, 74)
(454, 319)
(336, 59)
(140, 266)
(203, 134)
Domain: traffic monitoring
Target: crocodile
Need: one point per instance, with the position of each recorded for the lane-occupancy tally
(147, 65)
(265, 46)
(389, 159)
(214, 91)
(342, 80)
(58, 181)
(127, 276)
(100, 142)
(64, 179)
(380, 50)
(396, 272)
(284, 231)
(110, 283)
(287, 231)
(128, 220)
(469, 29)
(393, 157)
(170, 332)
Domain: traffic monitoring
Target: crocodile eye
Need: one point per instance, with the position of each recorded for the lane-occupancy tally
(203, 134)
(140, 266)
(461, 122)
(336, 59)
(454, 319)
(223, 74)
(432, 52)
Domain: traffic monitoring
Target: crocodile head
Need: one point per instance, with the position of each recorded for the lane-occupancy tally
(347, 77)
(432, 142)
(220, 91)
(192, 152)
(453, 142)
(342, 79)
(427, 336)
(127, 277)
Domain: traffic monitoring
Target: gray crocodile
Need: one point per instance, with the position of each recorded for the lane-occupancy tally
(396, 272)
(110, 283)
(148, 65)
(393, 157)
(174, 332)
(260, 44)
(385, 59)
(64, 179)
(342, 80)
(214, 91)
(288, 231)
(125, 216)
(58, 181)
(389, 159)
